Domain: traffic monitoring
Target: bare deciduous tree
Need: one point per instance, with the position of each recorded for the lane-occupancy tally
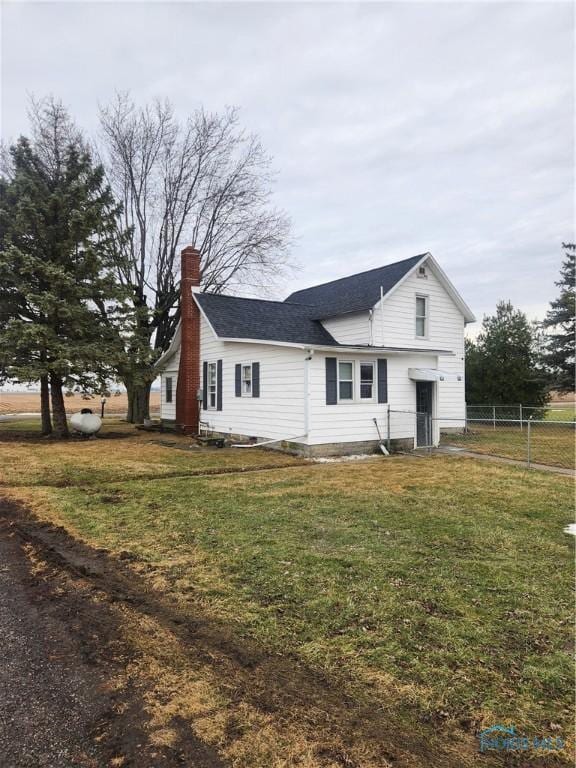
(203, 182)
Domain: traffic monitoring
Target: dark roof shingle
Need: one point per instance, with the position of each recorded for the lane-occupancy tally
(354, 293)
(297, 319)
(239, 318)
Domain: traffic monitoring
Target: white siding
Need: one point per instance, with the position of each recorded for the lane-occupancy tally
(351, 422)
(279, 411)
(445, 331)
(168, 410)
(353, 328)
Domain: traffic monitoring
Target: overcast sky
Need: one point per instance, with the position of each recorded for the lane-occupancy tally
(395, 128)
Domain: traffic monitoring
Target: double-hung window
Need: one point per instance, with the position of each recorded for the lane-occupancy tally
(366, 380)
(345, 380)
(212, 378)
(421, 316)
(247, 380)
(353, 381)
(168, 389)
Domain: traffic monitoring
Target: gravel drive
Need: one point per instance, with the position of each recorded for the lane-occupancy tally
(50, 700)
(69, 697)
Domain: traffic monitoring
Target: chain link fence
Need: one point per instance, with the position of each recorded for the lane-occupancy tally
(510, 432)
(534, 441)
(520, 412)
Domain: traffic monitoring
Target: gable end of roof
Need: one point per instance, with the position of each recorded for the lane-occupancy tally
(354, 293)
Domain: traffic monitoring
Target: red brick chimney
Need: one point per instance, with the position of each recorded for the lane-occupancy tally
(187, 405)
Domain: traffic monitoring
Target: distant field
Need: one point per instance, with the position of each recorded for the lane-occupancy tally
(29, 402)
(555, 413)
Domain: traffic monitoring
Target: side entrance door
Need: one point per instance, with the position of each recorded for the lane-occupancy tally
(423, 413)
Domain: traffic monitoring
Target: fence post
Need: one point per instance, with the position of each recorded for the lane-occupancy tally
(521, 426)
(388, 428)
(528, 431)
(494, 417)
(465, 418)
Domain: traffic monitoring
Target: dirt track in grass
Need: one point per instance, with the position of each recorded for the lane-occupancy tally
(67, 700)
(102, 602)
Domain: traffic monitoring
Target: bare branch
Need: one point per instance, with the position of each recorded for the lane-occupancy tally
(204, 182)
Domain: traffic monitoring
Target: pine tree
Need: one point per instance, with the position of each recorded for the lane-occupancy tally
(474, 373)
(561, 320)
(60, 306)
(502, 366)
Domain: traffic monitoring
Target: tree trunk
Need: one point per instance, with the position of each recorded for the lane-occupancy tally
(58, 408)
(45, 405)
(138, 402)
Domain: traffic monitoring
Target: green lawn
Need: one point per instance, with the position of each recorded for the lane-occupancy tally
(443, 586)
(551, 443)
(561, 414)
(31, 426)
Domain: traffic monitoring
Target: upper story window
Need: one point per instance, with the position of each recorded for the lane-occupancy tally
(212, 379)
(366, 381)
(345, 380)
(247, 380)
(168, 389)
(421, 316)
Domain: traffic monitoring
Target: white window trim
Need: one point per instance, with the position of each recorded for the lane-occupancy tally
(360, 363)
(166, 401)
(243, 365)
(346, 399)
(209, 363)
(356, 363)
(426, 316)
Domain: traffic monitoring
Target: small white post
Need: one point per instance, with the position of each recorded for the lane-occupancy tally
(528, 456)
(521, 425)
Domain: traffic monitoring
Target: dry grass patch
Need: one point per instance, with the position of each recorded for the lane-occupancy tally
(119, 453)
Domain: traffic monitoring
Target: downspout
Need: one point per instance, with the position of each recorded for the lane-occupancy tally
(370, 328)
(307, 411)
(306, 435)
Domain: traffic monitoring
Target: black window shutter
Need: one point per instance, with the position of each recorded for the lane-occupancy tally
(205, 386)
(331, 381)
(382, 381)
(219, 385)
(255, 379)
(238, 380)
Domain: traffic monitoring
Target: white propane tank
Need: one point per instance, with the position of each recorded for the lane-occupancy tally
(86, 423)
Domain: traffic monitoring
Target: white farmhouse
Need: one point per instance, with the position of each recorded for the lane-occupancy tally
(313, 372)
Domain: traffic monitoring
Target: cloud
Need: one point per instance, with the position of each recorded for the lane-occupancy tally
(396, 128)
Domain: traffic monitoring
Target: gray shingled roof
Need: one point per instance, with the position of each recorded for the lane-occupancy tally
(297, 319)
(355, 293)
(238, 318)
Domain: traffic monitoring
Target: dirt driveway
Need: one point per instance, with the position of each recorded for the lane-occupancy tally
(61, 658)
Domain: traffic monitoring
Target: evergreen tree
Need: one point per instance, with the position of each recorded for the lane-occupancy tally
(561, 320)
(474, 374)
(502, 365)
(60, 307)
